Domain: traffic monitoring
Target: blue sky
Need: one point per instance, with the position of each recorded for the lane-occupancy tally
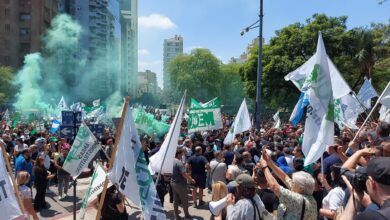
(216, 24)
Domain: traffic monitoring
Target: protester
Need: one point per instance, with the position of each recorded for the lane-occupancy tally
(297, 202)
(23, 163)
(220, 191)
(41, 178)
(218, 168)
(62, 175)
(114, 205)
(270, 200)
(179, 185)
(244, 203)
(198, 165)
(22, 179)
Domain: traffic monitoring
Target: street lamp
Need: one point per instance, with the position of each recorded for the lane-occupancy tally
(259, 59)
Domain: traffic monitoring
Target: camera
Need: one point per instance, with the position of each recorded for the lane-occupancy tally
(357, 179)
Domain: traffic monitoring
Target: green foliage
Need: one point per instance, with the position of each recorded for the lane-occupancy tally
(6, 88)
(354, 52)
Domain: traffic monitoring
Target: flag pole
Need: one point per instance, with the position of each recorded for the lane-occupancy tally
(173, 124)
(12, 177)
(112, 158)
(372, 110)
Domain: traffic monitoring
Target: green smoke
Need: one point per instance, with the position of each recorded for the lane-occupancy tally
(66, 69)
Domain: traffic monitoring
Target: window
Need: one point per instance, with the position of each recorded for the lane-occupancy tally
(24, 32)
(24, 16)
(24, 47)
(23, 3)
(6, 44)
(6, 12)
(7, 27)
(7, 60)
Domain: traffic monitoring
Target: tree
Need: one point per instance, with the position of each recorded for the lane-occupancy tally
(6, 88)
(198, 72)
(295, 44)
(231, 91)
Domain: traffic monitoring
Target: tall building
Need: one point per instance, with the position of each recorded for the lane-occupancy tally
(146, 83)
(172, 48)
(22, 24)
(129, 46)
(100, 20)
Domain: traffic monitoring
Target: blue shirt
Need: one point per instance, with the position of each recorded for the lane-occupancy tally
(23, 165)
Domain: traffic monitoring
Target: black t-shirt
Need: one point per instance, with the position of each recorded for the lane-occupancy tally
(270, 200)
(60, 162)
(384, 213)
(198, 165)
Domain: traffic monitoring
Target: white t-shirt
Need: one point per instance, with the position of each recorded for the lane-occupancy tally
(334, 199)
(289, 159)
(25, 192)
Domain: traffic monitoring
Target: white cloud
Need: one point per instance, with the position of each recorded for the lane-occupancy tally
(143, 52)
(156, 21)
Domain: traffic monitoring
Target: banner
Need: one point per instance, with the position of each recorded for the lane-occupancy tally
(8, 201)
(147, 123)
(94, 189)
(130, 171)
(165, 156)
(205, 116)
(83, 150)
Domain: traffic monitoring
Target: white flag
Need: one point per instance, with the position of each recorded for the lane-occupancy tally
(347, 110)
(8, 201)
(6, 117)
(94, 189)
(318, 85)
(96, 103)
(366, 93)
(130, 171)
(384, 114)
(241, 123)
(168, 147)
(62, 104)
(83, 150)
(276, 120)
(385, 97)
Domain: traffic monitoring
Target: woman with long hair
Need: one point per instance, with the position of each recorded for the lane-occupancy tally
(41, 178)
(22, 179)
(219, 191)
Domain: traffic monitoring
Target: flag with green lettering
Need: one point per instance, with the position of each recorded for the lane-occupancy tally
(205, 116)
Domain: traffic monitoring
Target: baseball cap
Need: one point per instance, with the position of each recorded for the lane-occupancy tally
(379, 169)
(243, 180)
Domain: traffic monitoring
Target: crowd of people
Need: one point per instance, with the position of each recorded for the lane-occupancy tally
(261, 175)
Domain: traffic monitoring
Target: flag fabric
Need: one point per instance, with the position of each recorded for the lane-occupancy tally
(130, 171)
(83, 150)
(241, 123)
(7, 118)
(96, 103)
(62, 104)
(297, 113)
(16, 119)
(205, 116)
(9, 205)
(276, 120)
(347, 110)
(385, 96)
(77, 107)
(94, 189)
(384, 114)
(169, 146)
(366, 93)
(147, 123)
(55, 126)
(316, 81)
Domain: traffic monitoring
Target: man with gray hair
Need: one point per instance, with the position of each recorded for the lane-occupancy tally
(218, 168)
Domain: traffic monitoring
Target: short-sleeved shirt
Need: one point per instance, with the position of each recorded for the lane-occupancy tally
(334, 199)
(218, 170)
(244, 209)
(290, 207)
(198, 165)
(177, 172)
(60, 162)
(270, 200)
(24, 192)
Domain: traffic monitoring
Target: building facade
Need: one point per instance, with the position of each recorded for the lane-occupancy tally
(22, 24)
(146, 83)
(129, 46)
(172, 48)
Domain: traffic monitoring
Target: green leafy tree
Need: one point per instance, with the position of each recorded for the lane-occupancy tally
(198, 72)
(231, 91)
(6, 87)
